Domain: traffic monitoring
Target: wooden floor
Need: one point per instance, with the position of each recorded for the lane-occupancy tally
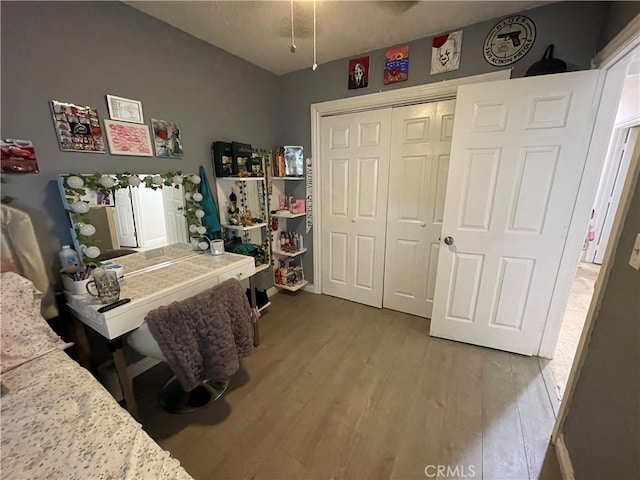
(341, 390)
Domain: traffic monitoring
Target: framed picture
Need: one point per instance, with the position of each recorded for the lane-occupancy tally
(128, 138)
(77, 127)
(18, 156)
(445, 52)
(125, 109)
(396, 66)
(167, 138)
(358, 73)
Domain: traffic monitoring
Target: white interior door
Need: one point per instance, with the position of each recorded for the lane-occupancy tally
(518, 153)
(355, 173)
(420, 148)
(612, 189)
(173, 201)
(125, 224)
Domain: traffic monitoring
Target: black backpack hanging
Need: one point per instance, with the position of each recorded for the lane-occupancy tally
(547, 64)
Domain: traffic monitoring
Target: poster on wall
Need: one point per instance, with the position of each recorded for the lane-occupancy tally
(18, 156)
(128, 138)
(167, 139)
(396, 66)
(77, 127)
(445, 52)
(358, 73)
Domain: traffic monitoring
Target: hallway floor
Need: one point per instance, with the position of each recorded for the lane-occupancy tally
(572, 325)
(342, 390)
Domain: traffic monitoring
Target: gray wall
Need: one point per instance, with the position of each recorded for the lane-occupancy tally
(620, 14)
(79, 52)
(573, 27)
(602, 427)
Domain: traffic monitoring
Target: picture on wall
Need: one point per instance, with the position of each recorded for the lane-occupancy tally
(167, 139)
(125, 109)
(18, 156)
(396, 66)
(128, 138)
(445, 52)
(358, 73)
(77, 127)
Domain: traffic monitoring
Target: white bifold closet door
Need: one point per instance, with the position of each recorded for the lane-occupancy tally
(420, 147)
(355, 175)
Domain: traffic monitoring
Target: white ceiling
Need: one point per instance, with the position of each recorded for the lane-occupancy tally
(260, 31)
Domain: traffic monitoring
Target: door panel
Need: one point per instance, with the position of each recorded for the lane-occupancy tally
(125, 224)
(519, 148)
(355, 172)
(420, 145)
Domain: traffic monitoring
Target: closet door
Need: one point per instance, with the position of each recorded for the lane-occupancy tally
(420, 147)
(355, 174)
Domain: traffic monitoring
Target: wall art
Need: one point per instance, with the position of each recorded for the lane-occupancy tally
(77, 127)
(18, 156)
(167, 139)
(509, 40)
(128, 138)
(396, 67)
(445, 52)
(125, 109)
(358, 73)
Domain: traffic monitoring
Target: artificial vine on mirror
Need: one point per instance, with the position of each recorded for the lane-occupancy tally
(76, 185)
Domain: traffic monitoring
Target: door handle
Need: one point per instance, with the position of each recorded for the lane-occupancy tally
(423, 224)
(448, 240)
(353, 220)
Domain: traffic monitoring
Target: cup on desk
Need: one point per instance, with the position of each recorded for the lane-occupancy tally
(106, 285)
(217, 247)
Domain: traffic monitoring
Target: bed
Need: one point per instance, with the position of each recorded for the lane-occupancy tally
(57, 421)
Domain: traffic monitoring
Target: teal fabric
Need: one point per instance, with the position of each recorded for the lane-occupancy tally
(208, 205)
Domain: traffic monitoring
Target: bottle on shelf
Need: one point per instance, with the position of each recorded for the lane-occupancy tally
(69, 258)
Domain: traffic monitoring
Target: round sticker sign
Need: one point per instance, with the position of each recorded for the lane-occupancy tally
(509, 40)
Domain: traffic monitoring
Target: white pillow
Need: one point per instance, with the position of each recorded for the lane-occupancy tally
(25, 334)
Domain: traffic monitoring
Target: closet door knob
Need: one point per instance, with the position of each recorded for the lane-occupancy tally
(353, 220)
(448, 240)
(423, 224)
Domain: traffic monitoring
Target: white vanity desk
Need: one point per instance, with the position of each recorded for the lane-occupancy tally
(154, 279)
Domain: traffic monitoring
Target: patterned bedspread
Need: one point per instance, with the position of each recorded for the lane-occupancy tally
(57, 421)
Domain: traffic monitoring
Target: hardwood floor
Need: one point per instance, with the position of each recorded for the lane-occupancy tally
(341, 390)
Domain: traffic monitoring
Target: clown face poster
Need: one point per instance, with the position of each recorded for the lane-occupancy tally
(358, 73)
(396, 65)
(445, 52)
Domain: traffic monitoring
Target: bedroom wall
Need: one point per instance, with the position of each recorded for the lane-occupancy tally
(619, 16)
(573, 27)
(79, 52)
(602, 426)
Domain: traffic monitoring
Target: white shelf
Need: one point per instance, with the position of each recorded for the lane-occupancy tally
(295, 288)
(287, 178)
(289, 254)
(266, 305)
(288, 215)
(241, 179)
(240, 227)
(262, 268)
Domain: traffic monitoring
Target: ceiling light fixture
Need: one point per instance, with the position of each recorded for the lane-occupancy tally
(315, 58)
(293, 39)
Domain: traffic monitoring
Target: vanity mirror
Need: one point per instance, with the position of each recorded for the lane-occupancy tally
(111, 214)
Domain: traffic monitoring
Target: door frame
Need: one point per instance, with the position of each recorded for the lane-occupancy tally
(613, 59)
(431, 92)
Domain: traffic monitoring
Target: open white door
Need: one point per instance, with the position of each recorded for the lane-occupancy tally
(517, 157)
(125, 224)
(355, 172)
(420, 148)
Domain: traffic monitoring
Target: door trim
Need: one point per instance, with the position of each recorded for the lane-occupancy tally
(430, 92)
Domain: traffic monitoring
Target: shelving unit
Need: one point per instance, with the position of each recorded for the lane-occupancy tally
(244, 229)
(292, 261)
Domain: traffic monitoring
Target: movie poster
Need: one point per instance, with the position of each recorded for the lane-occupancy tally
(445, 52)
(358, 73)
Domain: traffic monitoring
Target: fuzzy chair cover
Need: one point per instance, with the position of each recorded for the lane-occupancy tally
(204, 336)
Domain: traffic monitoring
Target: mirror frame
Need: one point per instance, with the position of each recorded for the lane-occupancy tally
(107, 183)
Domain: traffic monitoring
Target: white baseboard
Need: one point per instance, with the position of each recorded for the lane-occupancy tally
(271, 291)
(309, 288)
(566, 468)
